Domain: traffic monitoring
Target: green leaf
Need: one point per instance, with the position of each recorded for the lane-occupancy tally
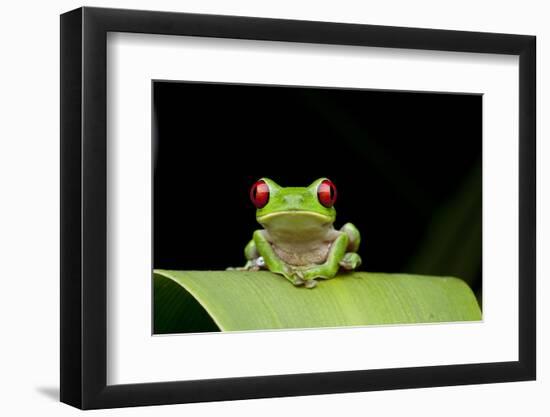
(199, 301)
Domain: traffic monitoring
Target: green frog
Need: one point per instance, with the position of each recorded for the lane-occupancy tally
(298, 239)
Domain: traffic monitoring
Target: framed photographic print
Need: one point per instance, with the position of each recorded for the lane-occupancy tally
(258, 207)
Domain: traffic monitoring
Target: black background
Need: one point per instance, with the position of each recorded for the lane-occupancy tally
(407, 167)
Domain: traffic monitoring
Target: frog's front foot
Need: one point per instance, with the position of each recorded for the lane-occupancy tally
(350, 261)
(311, 283)
(308, 283)
(296, 277)
(301, 277)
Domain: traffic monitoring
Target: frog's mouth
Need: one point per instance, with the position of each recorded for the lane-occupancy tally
(295, 220)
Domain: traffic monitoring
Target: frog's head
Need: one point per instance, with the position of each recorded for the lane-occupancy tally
(294, 210)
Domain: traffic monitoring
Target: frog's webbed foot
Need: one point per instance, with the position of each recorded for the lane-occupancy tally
(350, 261)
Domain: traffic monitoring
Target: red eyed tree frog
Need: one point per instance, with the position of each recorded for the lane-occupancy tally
(298, 239)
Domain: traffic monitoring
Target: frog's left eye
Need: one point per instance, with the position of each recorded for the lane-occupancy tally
(259, 194)
(326, 193)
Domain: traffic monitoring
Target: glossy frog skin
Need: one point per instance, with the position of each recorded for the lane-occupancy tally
(298, 239)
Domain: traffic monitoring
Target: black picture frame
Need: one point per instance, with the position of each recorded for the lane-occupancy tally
(84, 197)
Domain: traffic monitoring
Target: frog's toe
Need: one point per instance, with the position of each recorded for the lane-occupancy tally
(350, 261)
(297, 277)
(311, 283)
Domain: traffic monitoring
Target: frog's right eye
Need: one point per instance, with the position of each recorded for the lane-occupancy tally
(326, 193)
(259, 194)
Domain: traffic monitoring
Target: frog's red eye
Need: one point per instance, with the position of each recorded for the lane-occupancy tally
(259, 194)
(326, 193)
